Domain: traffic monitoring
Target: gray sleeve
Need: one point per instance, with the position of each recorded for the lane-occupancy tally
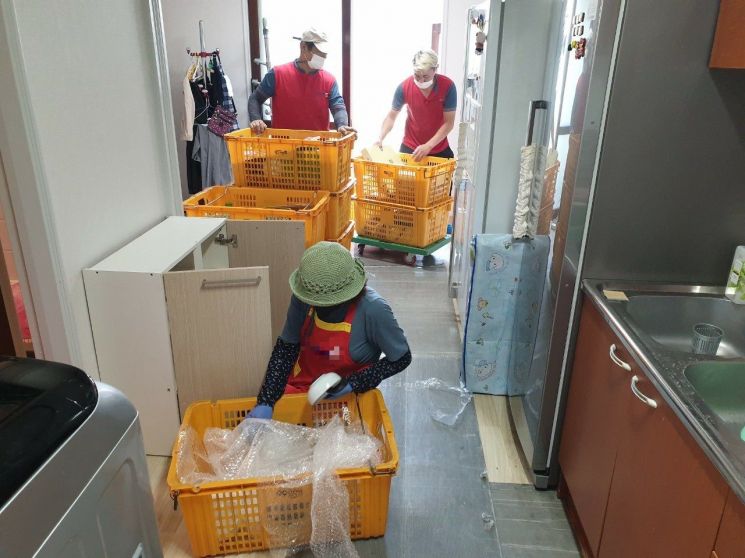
(255, 101)
(383, 330)
(341, 118)
(296, 313)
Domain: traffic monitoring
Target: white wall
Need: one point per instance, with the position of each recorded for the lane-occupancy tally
(226, 28)
(453, 49)
(84, 141)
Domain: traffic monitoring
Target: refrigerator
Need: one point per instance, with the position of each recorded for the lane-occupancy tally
(581, 85)
(649, 189)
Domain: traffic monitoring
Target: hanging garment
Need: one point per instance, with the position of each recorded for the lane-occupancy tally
(323, 347)
(211, 152)
(187, 122)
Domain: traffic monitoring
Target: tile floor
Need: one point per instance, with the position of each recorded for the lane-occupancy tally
(438, 499)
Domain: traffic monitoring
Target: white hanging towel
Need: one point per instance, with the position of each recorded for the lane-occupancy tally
(534, 159)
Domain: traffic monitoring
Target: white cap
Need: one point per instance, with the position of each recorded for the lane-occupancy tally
(313, 35)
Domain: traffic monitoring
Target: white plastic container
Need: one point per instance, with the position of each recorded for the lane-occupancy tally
(735, 290)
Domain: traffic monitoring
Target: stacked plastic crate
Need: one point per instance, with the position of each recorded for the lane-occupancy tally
(281, 174)
(406, 204)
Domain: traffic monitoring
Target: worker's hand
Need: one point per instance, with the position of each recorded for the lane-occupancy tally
(379, 144)
(340, 390)
(421, 152)
(261, 412)
(346, 130)
(258, 126)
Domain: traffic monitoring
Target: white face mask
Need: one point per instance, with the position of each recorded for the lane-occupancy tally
(316, 62)
(424, 84)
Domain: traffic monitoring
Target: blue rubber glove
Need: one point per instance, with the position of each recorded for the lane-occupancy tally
(261, 412)
(340, 390)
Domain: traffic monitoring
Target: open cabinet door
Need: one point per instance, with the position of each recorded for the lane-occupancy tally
(220, 332)
(277, 244)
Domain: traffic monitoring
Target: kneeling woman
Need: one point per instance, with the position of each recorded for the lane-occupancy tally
(335, 323)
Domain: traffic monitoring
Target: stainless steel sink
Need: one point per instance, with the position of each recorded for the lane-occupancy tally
(669, 320)
(722, 387)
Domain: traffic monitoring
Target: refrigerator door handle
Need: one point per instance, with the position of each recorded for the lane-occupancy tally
(534, 106)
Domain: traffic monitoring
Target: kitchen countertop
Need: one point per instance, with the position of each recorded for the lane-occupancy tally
(665, 369)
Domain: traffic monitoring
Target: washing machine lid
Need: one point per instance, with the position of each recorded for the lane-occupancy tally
(41, 405)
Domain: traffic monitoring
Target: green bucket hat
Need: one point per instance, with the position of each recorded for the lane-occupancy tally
(328, 275)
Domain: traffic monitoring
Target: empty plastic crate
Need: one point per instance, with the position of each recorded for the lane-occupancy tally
(295, 159)
(261, 204)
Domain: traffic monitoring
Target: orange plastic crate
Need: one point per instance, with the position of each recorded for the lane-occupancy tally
(401, 224)
(261, 204)
(345, 239)
(292, 159)
(229, 517)
(340, 211)
(422, 184)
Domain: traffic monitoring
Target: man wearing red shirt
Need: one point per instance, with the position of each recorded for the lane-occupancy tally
(432, 100)
(302, 92)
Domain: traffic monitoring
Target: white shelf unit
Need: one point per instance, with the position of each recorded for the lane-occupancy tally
(183, 313)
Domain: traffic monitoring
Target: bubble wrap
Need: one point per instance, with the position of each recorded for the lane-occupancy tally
(294, 457)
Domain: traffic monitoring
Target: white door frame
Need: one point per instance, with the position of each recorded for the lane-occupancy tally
(25, 192)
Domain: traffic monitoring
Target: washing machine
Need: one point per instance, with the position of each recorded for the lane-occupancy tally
(73, 476)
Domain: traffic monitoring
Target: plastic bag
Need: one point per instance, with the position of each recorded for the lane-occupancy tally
(446, 402)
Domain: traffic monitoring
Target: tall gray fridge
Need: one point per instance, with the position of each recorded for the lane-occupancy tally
(650, 143)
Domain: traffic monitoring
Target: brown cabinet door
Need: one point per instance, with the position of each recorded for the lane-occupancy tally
(728, 50)
(731, 538)
(591, 424)
(666, 498)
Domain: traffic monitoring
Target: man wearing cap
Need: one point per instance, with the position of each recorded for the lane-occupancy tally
(302, 92)
(432, 100)
(335, 323)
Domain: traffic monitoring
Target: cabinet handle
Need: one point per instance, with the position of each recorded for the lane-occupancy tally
(643, 398)
(231, 283)
(617, 361)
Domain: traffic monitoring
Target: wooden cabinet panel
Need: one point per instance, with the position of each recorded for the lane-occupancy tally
(666, 498)
(731, 538)
(728, 50)
(591, 424)
(220, 327)
(277, 244)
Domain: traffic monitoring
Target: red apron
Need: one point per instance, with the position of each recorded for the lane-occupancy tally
(324, 347)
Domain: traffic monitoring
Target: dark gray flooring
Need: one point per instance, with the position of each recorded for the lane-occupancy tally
(438, 497)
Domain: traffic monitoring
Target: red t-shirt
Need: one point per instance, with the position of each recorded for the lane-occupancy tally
(426, 114)
(301, 101)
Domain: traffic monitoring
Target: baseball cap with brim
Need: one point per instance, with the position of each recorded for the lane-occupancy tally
(316, 37)
(328, 275)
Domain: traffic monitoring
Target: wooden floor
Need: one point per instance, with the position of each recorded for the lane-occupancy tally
(501, 453)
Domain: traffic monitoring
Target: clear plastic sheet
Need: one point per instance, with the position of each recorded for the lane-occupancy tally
(297, 459)
(446, 402)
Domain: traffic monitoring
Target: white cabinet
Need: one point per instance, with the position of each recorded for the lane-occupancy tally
(178, 315)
